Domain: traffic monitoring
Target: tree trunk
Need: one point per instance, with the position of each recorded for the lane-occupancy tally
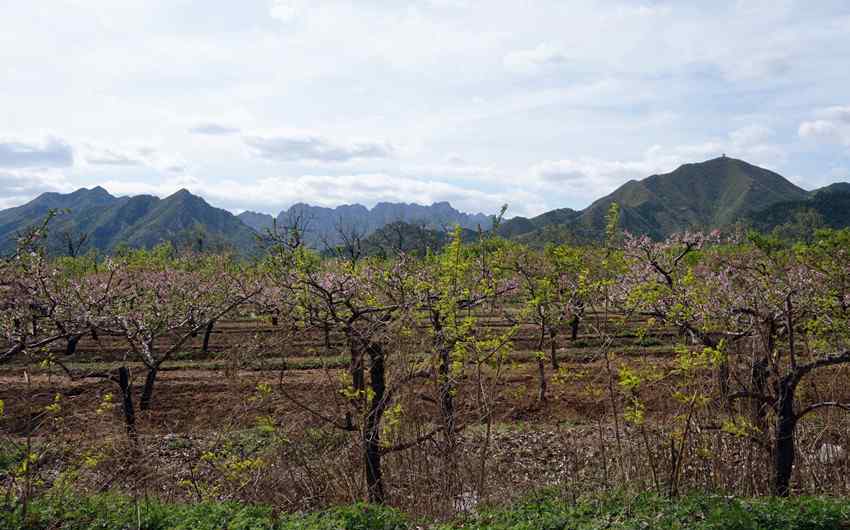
(541, 365)
(447, 404)
(147, 391)
(357, 372)
(71, 349)
(447, 411)
(541, 370)
(327, 332)
(723, 377)
(574, 327)
(553, 355)
(372, 427)
(358, 382)
(783, 451)
(446, 388)
(127, 401)
(759, 385)
(206, 346)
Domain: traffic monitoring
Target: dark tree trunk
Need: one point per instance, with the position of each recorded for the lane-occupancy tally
(447, 411)
(553, 355)
(206, 346)
(71, 349)
(127, 401)
(783, 451)
(759, 385)
(446, 389)
(358, 379)
(574, 327)
(372, 427)
(327, 330)
(147, 391)
(723, 375)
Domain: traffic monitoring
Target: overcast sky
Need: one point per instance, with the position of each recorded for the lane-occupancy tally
(258, 104)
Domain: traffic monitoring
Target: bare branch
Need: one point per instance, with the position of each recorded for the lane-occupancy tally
(823, 404)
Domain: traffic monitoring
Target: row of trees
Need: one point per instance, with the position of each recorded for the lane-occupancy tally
(761, 317)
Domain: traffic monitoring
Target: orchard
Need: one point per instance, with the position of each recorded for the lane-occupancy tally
(435, 382)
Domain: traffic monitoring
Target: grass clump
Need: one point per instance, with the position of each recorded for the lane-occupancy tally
(542, 511)
(548, 511)
(110, 511)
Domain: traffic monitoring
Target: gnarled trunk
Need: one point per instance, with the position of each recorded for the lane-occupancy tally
(206, 346)
(372, 426)
(71, 348)
(758, 381)
(147, 391)
(127, 401)
(447, 404)
(356, 370)
(783, 450)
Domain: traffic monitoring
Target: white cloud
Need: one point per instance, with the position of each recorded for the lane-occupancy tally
(161, 188)
(455, 160)
(284, 10)
(214, 129)
(50, 152)
(139, 155)
(750, 135)
(20, 186)
(297, 146)
(109, 157)
(535, 59)
(596, 83)
(833, 126)
(839, 113)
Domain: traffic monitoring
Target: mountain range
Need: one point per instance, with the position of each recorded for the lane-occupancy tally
(92, 218)
(322, 226)
(717, 193)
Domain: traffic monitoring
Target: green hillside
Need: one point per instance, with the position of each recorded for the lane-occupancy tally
(94, 219)
(827, 207)
(518, 226)
(706, 195)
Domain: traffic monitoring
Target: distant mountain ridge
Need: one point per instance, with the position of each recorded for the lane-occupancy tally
(95, 219)
(713, 194)
(322, 225)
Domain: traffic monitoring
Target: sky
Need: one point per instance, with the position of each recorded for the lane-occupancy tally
(259, 104)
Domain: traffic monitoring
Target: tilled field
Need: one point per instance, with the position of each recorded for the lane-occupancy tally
(215, 414)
